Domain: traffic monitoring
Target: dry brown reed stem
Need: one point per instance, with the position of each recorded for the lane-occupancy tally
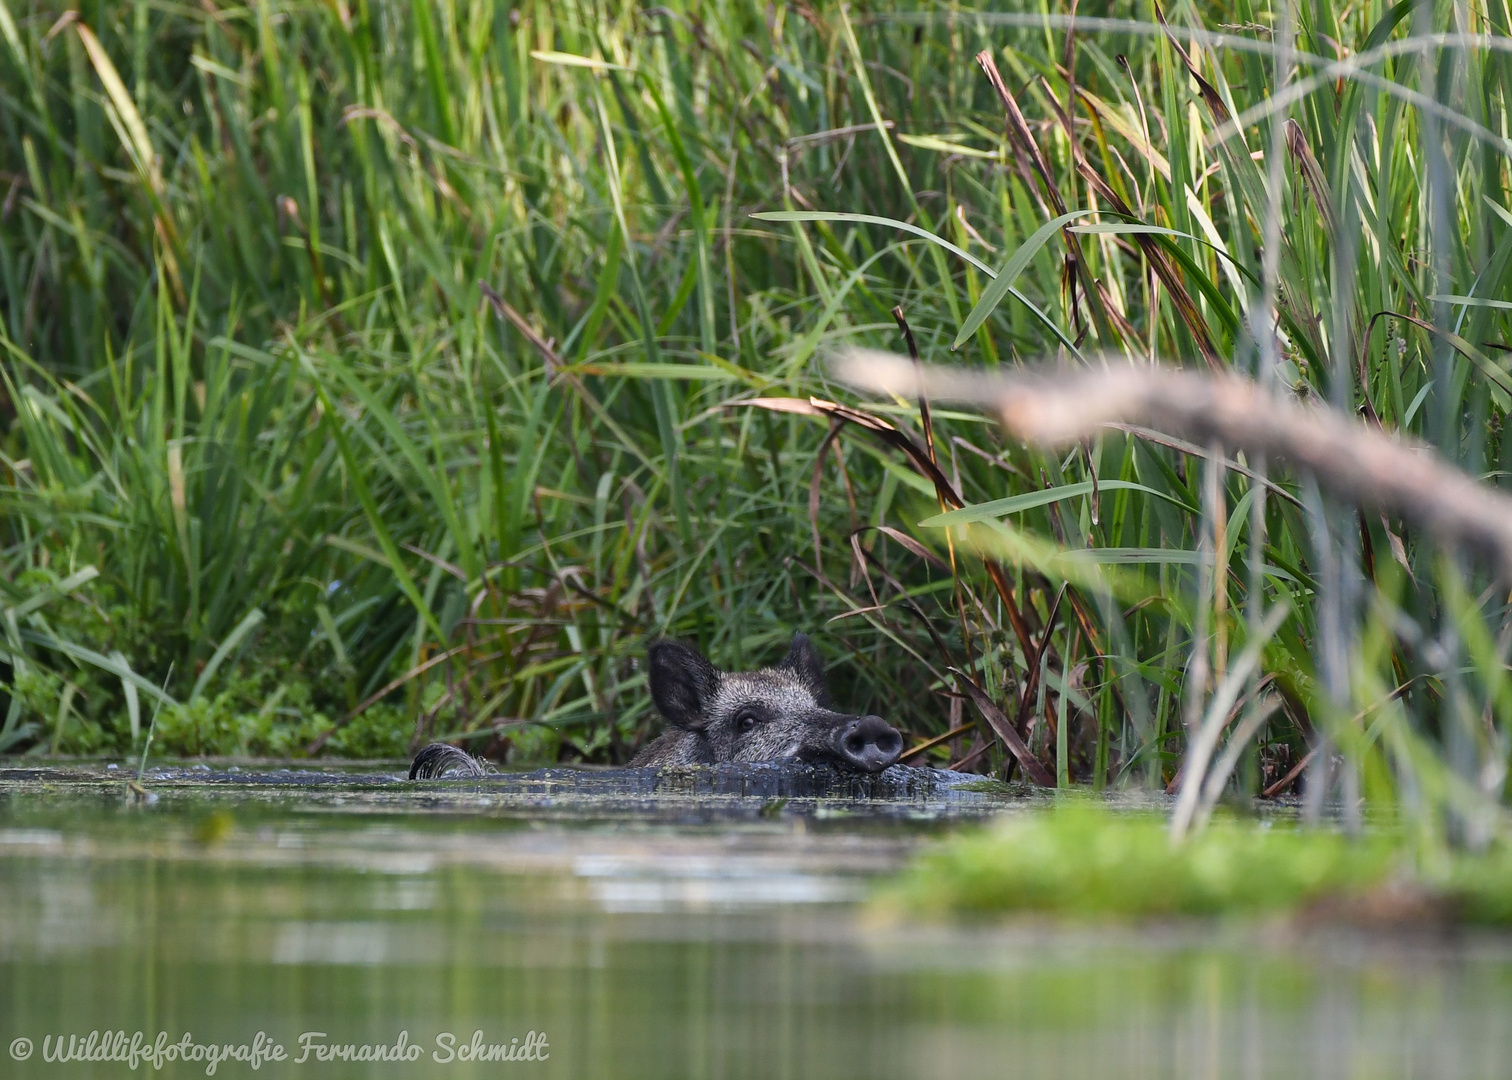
(1058, 407)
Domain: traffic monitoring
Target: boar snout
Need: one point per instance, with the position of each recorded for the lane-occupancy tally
(869, 743)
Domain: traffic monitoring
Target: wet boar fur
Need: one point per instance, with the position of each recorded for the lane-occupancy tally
(779, 713)
(442, 761)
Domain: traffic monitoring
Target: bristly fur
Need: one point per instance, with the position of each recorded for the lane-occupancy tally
(441, 761)
(779, 713)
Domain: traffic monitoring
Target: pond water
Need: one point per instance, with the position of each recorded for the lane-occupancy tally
(707, 926)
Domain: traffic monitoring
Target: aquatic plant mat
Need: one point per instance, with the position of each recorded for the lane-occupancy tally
(1081, 861)
(653, 943)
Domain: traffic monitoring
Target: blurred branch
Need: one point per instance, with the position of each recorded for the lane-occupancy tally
(1060, 407)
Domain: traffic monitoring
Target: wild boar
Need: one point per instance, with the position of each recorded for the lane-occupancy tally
(778, 713)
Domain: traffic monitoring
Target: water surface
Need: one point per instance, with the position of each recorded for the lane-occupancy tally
(706, 927)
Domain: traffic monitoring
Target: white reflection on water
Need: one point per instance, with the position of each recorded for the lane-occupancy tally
(332, 943)
(635, 883)
(31, 838)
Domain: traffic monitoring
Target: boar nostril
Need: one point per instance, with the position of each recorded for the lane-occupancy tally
(869, 743)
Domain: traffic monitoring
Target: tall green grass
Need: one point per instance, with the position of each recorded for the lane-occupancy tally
(265, 422)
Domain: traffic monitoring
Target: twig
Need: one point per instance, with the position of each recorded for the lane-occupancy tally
(520, 323)
(817, 137)
(1295, 771)
(999, 722)
(1033, 663)
(972, 757)
(930, 744)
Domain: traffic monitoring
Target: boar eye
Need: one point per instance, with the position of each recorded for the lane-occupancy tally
(746, 721)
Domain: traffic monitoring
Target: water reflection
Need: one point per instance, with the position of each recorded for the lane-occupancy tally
(645, 946)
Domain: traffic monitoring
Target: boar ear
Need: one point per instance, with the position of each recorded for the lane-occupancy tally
(803, 660)
(683, 683)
